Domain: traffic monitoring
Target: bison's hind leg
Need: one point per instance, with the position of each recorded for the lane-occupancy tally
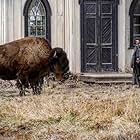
(22, 84)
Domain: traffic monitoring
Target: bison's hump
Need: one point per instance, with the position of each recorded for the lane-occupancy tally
(26, 51)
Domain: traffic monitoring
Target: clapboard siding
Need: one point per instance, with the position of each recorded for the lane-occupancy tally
(11, 20)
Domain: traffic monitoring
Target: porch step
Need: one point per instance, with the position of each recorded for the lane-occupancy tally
(106, 77)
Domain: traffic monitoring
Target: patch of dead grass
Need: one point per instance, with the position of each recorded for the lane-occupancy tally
(85, 112)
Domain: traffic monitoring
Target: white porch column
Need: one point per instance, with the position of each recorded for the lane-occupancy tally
(121, 35)
(68, 30)
(76, 48)
(72, 34)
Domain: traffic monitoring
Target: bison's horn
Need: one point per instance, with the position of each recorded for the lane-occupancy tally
(55, 55)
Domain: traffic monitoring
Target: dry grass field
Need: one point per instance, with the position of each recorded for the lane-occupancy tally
(71, 112)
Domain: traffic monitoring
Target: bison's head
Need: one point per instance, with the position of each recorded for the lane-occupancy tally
(59, 64)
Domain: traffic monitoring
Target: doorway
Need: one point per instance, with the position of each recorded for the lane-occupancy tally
(99, 36)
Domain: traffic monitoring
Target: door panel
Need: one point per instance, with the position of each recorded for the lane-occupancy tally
(90, 28)
(90, 38)
(107, 44)
(106, 30)
(99, 35)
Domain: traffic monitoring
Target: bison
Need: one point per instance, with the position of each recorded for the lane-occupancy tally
(29, 60)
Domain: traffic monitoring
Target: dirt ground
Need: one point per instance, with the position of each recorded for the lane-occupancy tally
(70, 111)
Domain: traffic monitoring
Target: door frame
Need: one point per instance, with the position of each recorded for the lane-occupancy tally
(115, 28)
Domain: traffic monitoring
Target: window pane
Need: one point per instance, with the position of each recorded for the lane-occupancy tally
(137, 8)
(43, 31)
(32, 31)
(39, 20)
(136, 19)
(41, 9)
(43, 20)
(39, 31)
(31, 21)
(136, 30)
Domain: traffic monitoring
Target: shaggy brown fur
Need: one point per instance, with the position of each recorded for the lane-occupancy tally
(28, 60)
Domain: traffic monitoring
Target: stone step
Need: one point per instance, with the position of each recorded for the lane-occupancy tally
(106, 77)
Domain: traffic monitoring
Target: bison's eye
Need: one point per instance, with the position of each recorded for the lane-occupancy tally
(66, 75)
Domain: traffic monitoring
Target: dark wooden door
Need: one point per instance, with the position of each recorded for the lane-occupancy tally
(99, 35)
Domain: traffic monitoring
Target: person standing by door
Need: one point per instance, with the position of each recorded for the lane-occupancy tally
(135, 78)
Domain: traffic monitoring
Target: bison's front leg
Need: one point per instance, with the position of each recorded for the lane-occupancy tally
(21, 87)
(36, 86)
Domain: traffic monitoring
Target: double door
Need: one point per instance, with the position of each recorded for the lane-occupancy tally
(99, 35)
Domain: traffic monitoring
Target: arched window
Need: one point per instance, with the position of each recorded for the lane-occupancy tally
(134, 13)
(37, 15)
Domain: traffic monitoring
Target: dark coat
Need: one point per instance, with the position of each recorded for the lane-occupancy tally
(135, 80)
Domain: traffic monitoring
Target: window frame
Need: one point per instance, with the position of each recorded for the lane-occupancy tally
(132, 14)
(48, 17)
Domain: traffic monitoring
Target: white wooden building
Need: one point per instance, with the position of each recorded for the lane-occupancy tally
(97, 35)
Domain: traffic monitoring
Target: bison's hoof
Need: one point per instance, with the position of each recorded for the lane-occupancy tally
(22, 93)
(36, 93)
(136, 86)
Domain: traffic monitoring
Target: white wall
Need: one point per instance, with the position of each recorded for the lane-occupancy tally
(11, 21)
